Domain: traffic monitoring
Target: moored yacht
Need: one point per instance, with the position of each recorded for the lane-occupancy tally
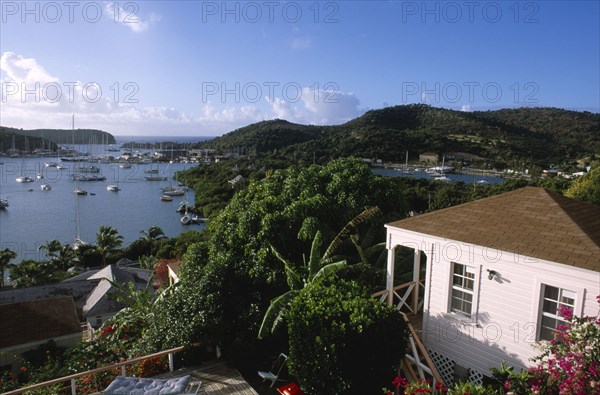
(24, 179)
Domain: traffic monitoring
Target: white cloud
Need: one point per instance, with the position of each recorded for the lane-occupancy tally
(466, 108)
(34, 98)
(130, 16)
(19, 69)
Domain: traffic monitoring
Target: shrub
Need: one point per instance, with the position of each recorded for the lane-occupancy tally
(342, 340)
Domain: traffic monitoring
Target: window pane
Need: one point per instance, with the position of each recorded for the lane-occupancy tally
(567, 301)
(456, 280)
(469, 284)
(550, 306)
(546, 334)
(550, 292)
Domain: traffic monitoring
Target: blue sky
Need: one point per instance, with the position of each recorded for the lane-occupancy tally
(206, 68)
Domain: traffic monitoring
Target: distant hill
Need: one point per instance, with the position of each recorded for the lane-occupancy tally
(538, 135)
(40, 138)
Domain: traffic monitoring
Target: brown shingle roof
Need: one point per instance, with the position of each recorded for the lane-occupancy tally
(37, 320)
(529, 221)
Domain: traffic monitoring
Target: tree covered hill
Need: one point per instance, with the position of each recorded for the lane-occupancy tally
(56, 136)
(539, 135)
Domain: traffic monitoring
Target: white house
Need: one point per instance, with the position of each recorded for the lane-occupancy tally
(496, 271)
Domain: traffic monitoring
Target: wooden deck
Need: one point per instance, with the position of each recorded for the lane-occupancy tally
(216, 377)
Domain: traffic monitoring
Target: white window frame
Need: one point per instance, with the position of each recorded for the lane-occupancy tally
(561, 291)
(538, 305)
(476, 271)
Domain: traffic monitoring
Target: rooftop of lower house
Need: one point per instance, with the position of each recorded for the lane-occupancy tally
(37, 320)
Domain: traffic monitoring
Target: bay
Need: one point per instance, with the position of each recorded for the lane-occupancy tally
(35, 216)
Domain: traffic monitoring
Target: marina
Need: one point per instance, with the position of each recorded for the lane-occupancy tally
(44, 209)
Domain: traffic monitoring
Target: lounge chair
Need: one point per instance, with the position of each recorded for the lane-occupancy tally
(123, 385)
(273, 374)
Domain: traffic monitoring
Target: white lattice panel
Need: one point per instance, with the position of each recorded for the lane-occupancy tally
(476, 377)
(444, 366)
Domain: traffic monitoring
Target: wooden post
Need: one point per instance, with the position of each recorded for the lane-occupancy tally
(416, 279)
(391, 255)
(171, 362)
(73, 387)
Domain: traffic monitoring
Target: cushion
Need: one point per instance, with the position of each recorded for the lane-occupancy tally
(123, 385)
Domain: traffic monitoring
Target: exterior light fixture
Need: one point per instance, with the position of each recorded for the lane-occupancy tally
(491, 274)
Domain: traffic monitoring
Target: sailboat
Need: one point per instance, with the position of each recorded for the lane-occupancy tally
(77, 243)
(441, 175)
(405, 169)
(22, 178)
(3, 204)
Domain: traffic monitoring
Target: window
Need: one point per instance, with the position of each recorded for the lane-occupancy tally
(553, 299)
(463, 282)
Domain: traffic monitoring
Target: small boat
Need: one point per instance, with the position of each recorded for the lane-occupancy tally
(24, 179)
(155, 178)
(80, 191)
(51, 164)
(125, 166)
(88, 177)
(39, 176)
(61, 167)
(113, 188)
(151, 171)
(3, 204)
(87, 169)
(45, 187)
(166, 198)
(189, 219)
(173, 191)
(184, 207)
(442, 178)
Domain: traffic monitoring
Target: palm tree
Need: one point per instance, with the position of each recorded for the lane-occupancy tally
(6, 255)
(152, 235)
(108, 240)
(51, 248)
(319, 267)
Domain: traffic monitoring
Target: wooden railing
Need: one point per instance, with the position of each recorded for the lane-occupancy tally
(403, 296)
(73, 378)
(418, 358)
(416, 363)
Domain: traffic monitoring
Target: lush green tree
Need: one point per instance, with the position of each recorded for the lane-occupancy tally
(6, 255)
(108, 240)
(30, 273)
(343, 341)
(587, 187)
(153, 236)
(61, 255)
(318, 267)
(237, 274)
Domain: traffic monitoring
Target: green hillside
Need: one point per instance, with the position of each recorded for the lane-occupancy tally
(56, 136)
(533, 135)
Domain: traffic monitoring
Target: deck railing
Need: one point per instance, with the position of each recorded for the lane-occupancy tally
(404, 296)
(73, 377)
(416, 363)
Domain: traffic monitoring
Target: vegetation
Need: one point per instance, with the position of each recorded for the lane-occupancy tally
(586, 188)
(261, 262)
(506, 138)
(343, 341)
(40, 138)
